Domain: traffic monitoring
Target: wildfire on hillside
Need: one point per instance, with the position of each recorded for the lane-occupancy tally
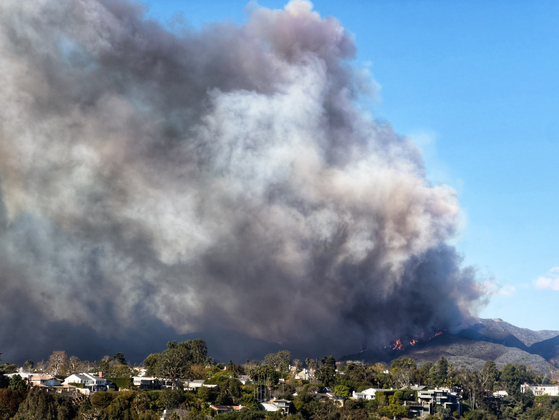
(398, 344)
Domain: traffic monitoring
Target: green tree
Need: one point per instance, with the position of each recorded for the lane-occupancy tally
(326, 374)
(512, 376)
(402, 370)
(3, 378)
(174, 363)
(17, 383)
(280, 360)
(120, 359)
(356, 376)
(475, 415)
(38, 405)
(236, 369)
(489, 375)
(342, 391)
(285, 360)
(234, 388)
(103, 365)
(265, 375)
(10, 401)
(119, 371)
(205, 394)
(171, 398)
(28, 365)
(152, 364)
(440, 372)
(64, 408)
(272, 359)
(102, 399)
(219, 377)
(120, 409)
(471, 387)
(199, 350)
(404, 362)
(395, 411)
(425, 374)
(249, 401)
(4, 369)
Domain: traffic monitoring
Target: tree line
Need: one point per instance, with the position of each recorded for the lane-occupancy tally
(274, 377)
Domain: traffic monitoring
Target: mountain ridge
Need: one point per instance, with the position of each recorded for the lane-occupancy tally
(487, 339)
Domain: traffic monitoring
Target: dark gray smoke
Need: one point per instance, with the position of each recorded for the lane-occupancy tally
(220, 179)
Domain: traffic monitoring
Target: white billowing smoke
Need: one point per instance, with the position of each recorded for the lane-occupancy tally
(215, 179)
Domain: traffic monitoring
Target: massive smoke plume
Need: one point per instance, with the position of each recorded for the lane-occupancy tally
(202, 180)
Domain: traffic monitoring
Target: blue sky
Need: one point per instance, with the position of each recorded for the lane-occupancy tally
(475, 83)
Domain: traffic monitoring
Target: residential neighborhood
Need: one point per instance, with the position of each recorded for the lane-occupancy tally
(182, 382)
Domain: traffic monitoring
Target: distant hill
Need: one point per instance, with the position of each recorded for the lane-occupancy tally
(489, 339)
(497, 329)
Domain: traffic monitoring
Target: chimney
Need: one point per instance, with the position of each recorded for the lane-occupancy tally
(100, 374)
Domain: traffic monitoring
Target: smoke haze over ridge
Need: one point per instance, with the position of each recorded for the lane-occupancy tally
(215, 179)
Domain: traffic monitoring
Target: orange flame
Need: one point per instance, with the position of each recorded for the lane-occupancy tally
(436, 335)
(397, 345)
(413, 342)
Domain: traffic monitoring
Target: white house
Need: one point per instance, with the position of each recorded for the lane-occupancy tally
(197, 383)
(92, 382)
(551, 390)
(367, 394)
(24, 375)
(270, 407)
